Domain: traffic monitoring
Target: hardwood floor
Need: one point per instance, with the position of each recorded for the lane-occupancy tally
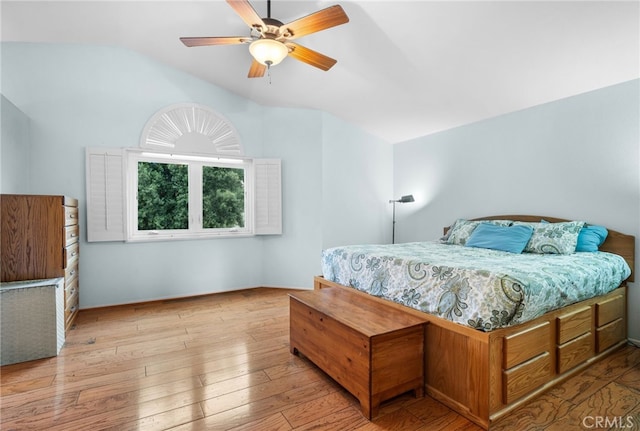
(222, 362)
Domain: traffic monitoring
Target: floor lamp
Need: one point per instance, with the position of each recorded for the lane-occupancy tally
(402, 200)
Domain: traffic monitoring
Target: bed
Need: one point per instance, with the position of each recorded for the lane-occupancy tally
(501, 326)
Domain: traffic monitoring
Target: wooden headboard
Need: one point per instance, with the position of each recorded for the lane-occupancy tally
(616, 242)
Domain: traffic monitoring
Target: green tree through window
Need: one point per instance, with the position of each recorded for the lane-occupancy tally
(163, 196)
(222, 197)
(164, 200)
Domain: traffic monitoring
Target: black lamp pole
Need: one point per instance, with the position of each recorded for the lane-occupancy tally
(402, 200)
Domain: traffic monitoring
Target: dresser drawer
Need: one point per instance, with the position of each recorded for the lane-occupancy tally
(574, 324)
(609, 310)
(575, 352)
(71, 296)
(71, 254)
(525, 377)
(69, 316)
(71, 234)
(70, 216)
(71, 272)
(610, 334)
(72, 302)
(71, 288)
(524, 345)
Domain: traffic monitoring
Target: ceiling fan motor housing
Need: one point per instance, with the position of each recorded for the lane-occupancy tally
(271, 29)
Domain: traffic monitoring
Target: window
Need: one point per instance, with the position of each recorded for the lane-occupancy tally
(173, 196)
(162, 196)
(223, 198)
(166, 189)
(200, 197)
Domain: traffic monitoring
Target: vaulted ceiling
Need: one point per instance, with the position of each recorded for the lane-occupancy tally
(405, 68)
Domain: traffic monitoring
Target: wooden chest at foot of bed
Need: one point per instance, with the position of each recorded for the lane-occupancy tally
(374, 351)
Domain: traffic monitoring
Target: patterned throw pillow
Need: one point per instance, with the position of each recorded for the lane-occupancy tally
(462, 229)
(553, 238)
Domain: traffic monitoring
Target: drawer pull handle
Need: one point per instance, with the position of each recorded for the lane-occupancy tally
(73, 235)
(72, 216)
(73, 309)
(74, 253)
(72, 272)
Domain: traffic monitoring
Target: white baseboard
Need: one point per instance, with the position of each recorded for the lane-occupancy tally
(634, 341)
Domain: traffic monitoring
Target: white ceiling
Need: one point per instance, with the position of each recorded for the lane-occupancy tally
(405, 68)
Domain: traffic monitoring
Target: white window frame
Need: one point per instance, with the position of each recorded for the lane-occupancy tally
(110, 187)
(195, 164)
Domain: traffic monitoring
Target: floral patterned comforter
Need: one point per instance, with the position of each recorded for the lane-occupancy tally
(482, 288)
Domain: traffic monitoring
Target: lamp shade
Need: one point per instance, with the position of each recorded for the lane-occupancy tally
(403, 200)
(268, 51)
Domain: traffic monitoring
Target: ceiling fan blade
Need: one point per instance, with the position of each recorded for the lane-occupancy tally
(310, 56)
(321, 20)
(207, 41)
(247, 13)
(256, 70)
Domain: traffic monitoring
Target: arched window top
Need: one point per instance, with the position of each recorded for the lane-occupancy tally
(191, 128)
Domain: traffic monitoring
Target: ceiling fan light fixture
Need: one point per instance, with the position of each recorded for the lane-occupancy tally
(268, 51)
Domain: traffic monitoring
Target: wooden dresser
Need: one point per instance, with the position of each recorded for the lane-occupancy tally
(40, 239)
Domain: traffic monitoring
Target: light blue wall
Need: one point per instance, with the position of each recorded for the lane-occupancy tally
(576, 158)
(77, 96)
(357, 175)
(15, 168)
(295, 136)
(336, 179)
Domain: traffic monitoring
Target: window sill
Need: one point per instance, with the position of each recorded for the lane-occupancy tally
(188, 236)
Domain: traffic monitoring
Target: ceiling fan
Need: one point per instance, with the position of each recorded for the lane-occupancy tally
(271, 41)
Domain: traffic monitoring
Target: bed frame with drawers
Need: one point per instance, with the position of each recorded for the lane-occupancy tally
(485, 375)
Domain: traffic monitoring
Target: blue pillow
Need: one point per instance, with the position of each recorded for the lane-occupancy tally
(505, 238)
(591, 237)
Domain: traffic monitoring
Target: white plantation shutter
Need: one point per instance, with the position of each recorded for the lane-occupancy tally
(268, 196)
(105, 194)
